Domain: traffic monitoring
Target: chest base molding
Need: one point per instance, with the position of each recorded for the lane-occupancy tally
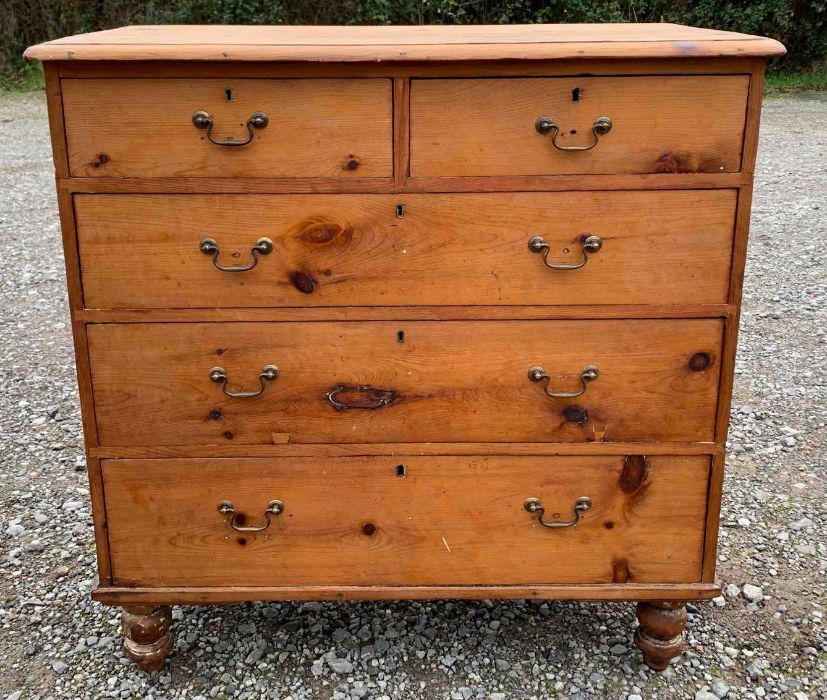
(118, 595)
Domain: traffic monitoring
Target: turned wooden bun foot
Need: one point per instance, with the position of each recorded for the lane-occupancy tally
(147, 639)
(660, 634)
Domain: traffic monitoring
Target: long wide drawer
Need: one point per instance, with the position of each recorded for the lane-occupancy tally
(530, 126)
(419, 381)
(148, 251)
(405, 521)
(169, 127)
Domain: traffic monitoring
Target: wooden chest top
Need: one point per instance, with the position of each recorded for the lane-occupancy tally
(412, 43)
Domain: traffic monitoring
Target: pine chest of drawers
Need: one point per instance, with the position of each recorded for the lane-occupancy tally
(405, 312)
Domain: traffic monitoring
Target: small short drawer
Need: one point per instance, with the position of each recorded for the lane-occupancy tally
(405, 381)
(543, 126)
(382, 521)
(578, 248)
(196, 128)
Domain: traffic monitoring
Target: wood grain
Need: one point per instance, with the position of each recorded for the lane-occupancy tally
(355, 522)
(420, 69)
(732, 324)
(486, 127)
(401, 136)
(410, 313)
(380, 185)
(400, 449)
(739, 254)
(713, 515)
(355, 250)
(74, 288)
(440, 119)
(403, 43)
(660, 634)
(54, 105)
(207, 595)
(143, 128)
(449, 381)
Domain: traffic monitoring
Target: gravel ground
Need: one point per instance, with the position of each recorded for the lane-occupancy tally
(765, 638)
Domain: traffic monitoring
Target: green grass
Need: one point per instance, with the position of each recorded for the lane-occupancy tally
(786, 81)
(30, 77)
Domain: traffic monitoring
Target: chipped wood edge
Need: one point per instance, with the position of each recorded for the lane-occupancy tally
(118, 595)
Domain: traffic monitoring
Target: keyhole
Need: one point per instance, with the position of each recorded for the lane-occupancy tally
(400, 336)
(400, 211)
(400, 470)
(228, 94)
(575, 95)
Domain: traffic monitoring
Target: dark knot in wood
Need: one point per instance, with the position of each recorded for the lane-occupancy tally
(305, 283)
(575, 414)
(700, 361)
(634, 474)
(347, 396)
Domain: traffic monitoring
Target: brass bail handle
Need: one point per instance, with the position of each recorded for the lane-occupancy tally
(591, 244)
(535, 507)
(209, 246)
(219, 376)
(538, 374)
(273, 508)
(546, 125)
(204, 120)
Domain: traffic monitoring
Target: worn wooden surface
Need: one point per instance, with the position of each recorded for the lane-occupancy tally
(447, 382)
(403, 43)
(206, 595)
(75, 293)
(143, 128)
(410, 313)
(731, 330)
(401, 449)
(250, 428)
(147, 637)
(401, 130)
(354, 521)
(486, 127)
(660, 635)
(379, 185)
(403, 71)
(360, 250)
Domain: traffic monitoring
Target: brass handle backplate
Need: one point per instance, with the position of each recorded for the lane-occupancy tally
(227, 508)
(591, 244)
(204, 120)
(219, 376)
(538, 374)
(534, 506)
(209, 246)
(546, 125)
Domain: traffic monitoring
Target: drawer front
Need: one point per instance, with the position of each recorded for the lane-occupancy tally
(145, 251)
(145, 128)
(363, 382)
(448, 520)
(659, 124)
